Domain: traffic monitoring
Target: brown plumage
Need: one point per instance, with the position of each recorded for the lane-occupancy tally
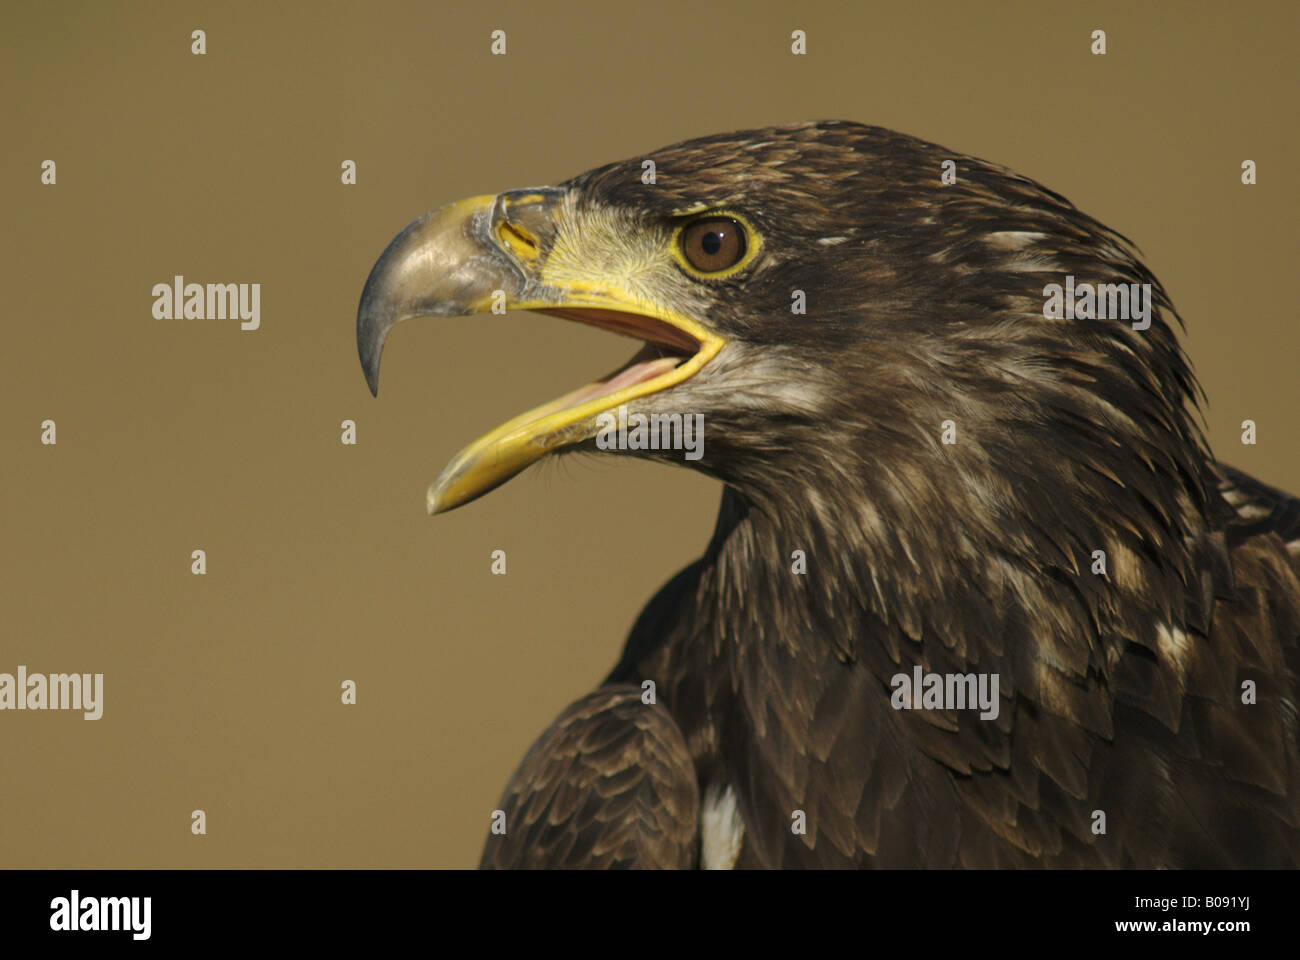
(1124, 693)
(609, 784)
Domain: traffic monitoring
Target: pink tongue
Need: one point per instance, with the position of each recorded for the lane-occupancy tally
(637, 373)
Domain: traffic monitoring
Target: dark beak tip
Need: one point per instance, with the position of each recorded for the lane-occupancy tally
(369, 358)
(372, 331)
(370, 367)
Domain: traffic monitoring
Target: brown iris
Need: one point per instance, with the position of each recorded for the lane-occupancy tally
(713, 244)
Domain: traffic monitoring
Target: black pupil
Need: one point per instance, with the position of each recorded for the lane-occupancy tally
(711, 242)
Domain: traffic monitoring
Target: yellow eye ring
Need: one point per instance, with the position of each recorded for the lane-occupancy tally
(715, 245)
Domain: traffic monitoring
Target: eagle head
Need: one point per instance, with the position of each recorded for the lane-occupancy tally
(863, 338)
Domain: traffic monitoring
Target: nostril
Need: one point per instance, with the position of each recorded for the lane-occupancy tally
(518, 238)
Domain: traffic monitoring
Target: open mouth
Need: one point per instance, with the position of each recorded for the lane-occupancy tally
(463, 259)
(675, 349)
(665, 349)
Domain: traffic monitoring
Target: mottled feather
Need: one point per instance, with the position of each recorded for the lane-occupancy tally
(1124, 694)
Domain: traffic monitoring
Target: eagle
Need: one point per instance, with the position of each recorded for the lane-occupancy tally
(926, 472)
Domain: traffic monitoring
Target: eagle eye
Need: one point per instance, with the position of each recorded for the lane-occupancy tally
(713, 244)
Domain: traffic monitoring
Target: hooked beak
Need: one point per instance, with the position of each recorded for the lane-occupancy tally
(489, 253)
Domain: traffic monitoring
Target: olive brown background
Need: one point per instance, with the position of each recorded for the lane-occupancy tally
(222, 692)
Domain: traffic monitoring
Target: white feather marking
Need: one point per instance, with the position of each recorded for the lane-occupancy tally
(1013, 239)
(1174, 646)
(721, 829)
